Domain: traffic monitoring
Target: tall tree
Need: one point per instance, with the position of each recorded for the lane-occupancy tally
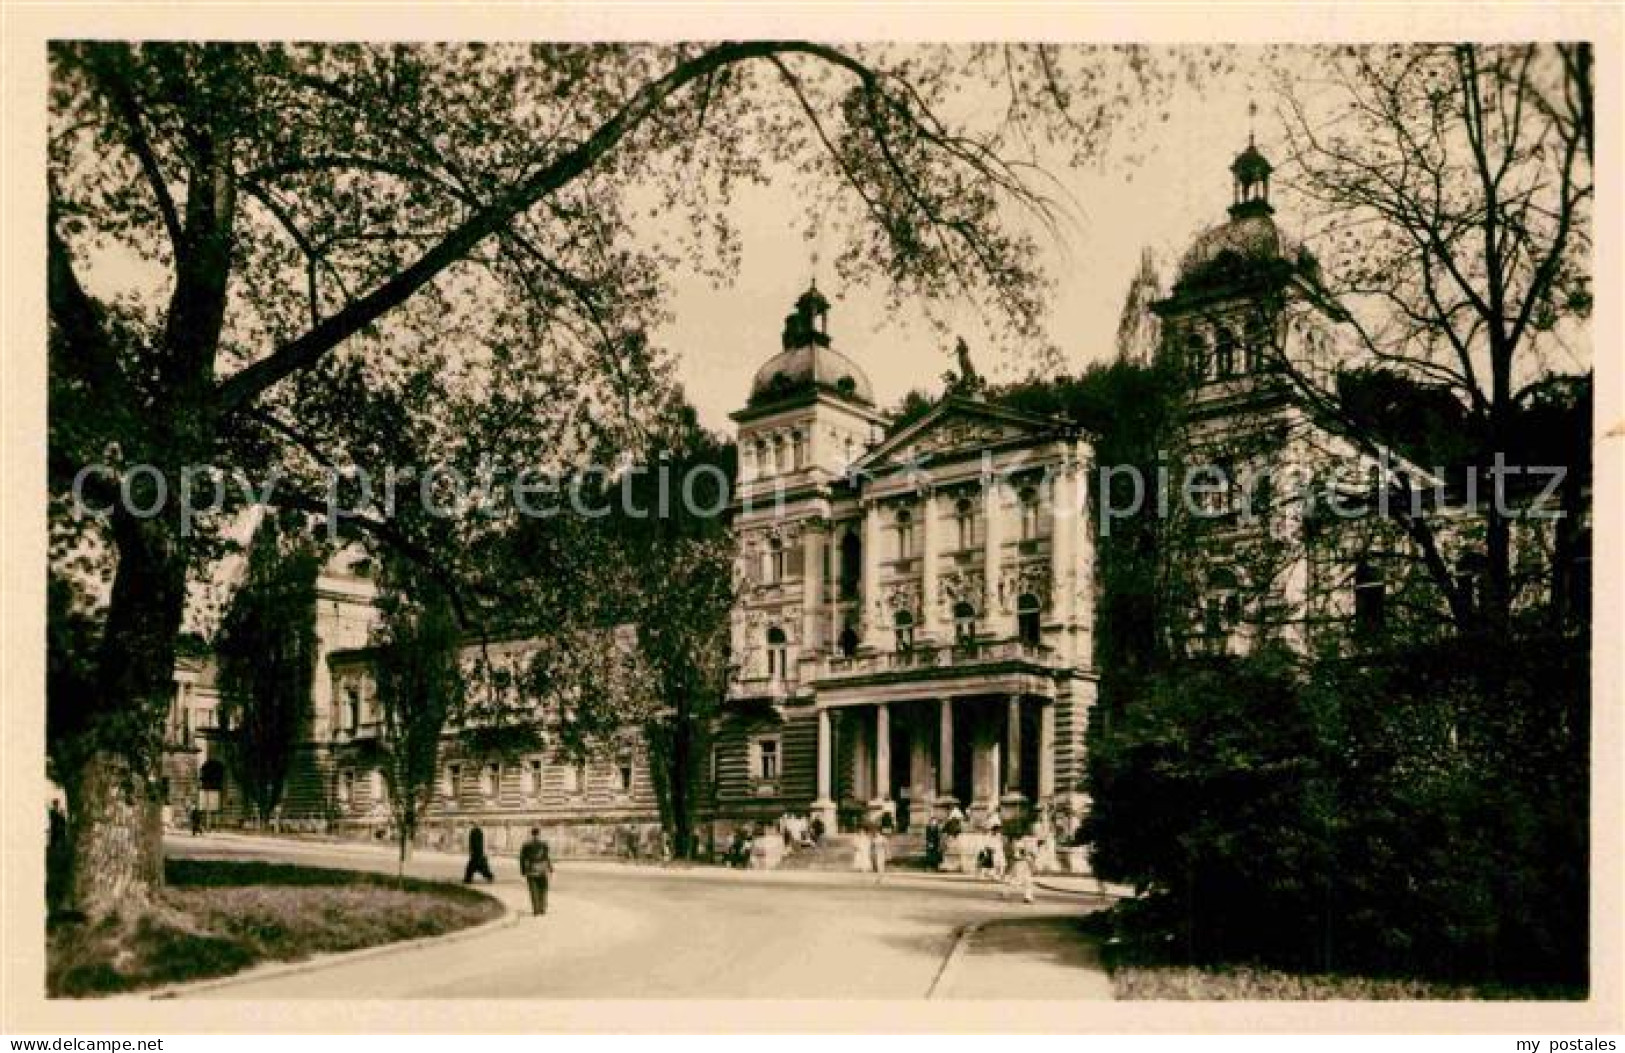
(418, 675)
(296, 259)
(267, 652)
(1455, 189)
(682, 583)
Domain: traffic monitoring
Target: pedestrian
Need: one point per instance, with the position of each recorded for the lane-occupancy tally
(817, 830)
(536, 863)
(878, 851)
(197, 820)
(1020, 876)
(477, 863)
(933, 843)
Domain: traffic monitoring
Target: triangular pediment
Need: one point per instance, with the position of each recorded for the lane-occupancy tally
(958, 427)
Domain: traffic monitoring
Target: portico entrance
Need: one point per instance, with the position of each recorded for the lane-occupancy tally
(888, 759)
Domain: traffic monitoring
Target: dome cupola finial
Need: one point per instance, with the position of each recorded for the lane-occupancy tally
(1251, 170)
(809, 322)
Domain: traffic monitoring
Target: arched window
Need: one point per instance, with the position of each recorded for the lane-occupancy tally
(848, 641)
(905, 533)
(965, 516)
(1029, 513)
(851, 564)
(778, 653)
(964, 624)
(764, 466)
(903, 624)
(1028, 627)
(1370, 601)
(1196, 354)
(1224, 352)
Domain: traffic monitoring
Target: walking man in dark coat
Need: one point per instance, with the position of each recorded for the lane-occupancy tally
(536, 863)
(477, 863)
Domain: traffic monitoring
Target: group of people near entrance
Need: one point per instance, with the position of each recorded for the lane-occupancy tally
(535, 863)
(1007, 859)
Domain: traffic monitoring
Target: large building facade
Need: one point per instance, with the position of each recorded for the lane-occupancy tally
(912, 630)
(914, 621)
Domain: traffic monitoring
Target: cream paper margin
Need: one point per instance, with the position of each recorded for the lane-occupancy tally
(25, 30)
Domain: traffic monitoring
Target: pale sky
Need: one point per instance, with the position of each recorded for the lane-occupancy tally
(1181, 186)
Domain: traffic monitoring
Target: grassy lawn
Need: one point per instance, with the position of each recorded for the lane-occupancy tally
(219, 917)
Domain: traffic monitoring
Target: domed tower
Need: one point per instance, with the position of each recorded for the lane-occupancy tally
(1245, 296)
(811, 410)
(1246, 302)
(810, 415)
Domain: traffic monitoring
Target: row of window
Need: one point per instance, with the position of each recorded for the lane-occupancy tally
(1029, 630)
(453, 776)
(1221, 609)
(777, 564)
(1222, 355)
(776, 454)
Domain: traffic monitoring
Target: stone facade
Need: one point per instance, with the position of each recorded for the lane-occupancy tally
(913, 628)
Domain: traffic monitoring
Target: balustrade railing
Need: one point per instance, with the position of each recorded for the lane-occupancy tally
(924, 656)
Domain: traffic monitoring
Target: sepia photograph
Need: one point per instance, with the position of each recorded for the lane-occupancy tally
(801, 516)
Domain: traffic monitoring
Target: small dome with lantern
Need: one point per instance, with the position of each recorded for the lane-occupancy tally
(807, 362)
(1248, 240)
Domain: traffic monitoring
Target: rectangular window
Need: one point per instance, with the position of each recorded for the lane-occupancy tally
(624, 775)
(375, 785)
(491, 780)
(454, 780)
(767, 760)
(575, 779)
(346, 785)
(530, 778)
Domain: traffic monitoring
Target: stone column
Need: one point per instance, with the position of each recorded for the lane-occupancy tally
(824, 806)
(869, 611)
(882, 790)
(930, 614)
(945, 751)
(920, 790)
(1012, 749)
(1064, 503)
(812, 588)
(985, 782)
(835, 626)
(1046, 752)
(992, 552)
(861, 767)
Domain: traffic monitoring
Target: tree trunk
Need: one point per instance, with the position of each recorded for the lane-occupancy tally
(118, 862)
(115, 817)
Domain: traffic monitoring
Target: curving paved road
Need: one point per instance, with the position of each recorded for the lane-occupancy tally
(617, 931)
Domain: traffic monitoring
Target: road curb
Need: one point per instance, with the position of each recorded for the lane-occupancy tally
(962, 937)
(277, 970)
